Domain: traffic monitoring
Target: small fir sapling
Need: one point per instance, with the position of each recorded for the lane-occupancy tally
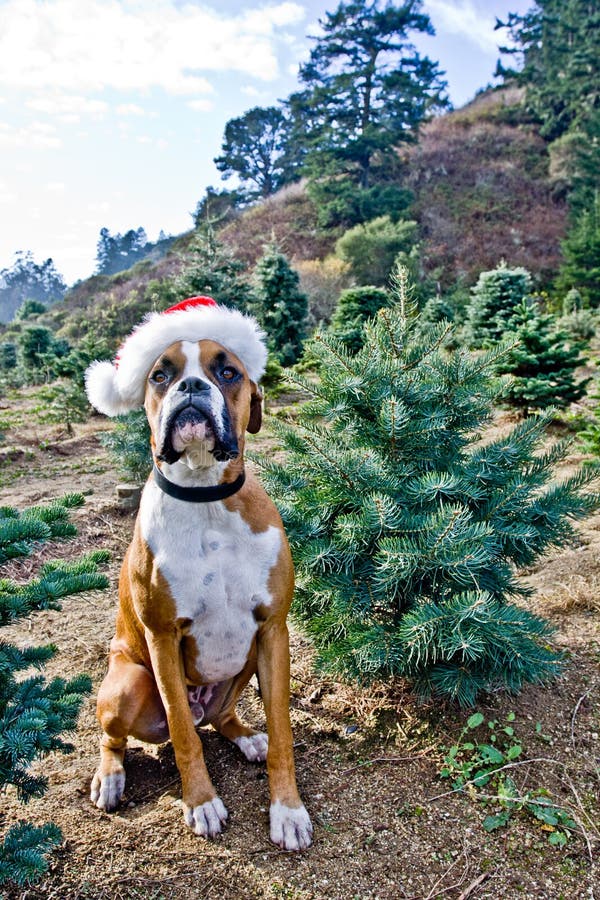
(34, 713)
(279, 305)
(493, 300)
(408, 524)
(541, 362)
(129, 445)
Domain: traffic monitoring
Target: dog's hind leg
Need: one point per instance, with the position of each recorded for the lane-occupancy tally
(128, 704)
(253, 744)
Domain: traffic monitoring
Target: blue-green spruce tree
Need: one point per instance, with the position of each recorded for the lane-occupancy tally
(541, 362)
(408, 525)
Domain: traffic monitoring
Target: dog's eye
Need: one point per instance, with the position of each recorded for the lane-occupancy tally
(228, 373)
(159, 377)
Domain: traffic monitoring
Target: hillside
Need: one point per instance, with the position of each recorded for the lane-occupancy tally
(482, 193)
(482, 189)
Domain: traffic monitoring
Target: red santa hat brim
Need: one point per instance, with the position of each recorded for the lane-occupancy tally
(119, 387)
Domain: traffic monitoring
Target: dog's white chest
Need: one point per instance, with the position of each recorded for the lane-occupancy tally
(217, 570)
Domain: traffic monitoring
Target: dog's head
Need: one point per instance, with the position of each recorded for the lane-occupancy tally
(200, 401)
(196, 368)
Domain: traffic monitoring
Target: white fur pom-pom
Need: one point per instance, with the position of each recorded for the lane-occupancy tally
(103, 391)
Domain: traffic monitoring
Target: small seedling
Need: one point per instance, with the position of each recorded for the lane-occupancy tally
(473, 764)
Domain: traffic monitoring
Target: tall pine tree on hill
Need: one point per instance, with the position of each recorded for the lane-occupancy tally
(559, 42)
(211, 268)
(407, 526)
(35, 713)
(365, 90)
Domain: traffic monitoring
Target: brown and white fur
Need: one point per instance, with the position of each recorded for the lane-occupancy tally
(204, 593)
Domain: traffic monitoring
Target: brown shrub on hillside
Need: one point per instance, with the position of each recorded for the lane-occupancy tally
(289, 219)
(482, 193)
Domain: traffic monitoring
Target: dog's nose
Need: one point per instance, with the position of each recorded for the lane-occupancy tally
(193, 386)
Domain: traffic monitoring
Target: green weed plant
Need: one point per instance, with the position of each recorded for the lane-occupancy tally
(480, 764)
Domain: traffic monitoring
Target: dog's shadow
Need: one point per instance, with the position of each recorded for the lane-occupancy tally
(152, 772)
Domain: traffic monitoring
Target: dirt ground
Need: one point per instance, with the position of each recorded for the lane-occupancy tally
(368, 761)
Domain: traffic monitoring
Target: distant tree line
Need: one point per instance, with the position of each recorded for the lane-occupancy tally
(117, 252)
(28, 280)
(28, 287)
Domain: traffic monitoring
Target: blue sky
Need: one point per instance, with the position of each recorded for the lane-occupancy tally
(111, 111)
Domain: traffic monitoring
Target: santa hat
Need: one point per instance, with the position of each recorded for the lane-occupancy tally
(119, 387)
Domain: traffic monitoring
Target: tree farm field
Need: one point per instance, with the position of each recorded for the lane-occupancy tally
(387, 824)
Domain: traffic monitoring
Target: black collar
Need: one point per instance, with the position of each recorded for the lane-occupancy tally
(198, 494)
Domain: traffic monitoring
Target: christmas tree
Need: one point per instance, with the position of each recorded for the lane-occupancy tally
(581, 250)
(211, 268)
(541, 363)
(354, 308)
(407, 525)
(279, 305)
(493, 302)
(34, 713)
(129, 445)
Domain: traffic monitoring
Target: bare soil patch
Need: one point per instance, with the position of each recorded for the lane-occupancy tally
(368, 760)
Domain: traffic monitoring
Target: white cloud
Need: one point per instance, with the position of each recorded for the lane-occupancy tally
(136, 44)
(129, 109)
(102, 207)
(67, 107)
(56, 187)
(7, 195)
(38, 135)
(465, 18)
(201, 105)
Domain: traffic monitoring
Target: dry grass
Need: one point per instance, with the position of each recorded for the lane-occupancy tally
(577, 594)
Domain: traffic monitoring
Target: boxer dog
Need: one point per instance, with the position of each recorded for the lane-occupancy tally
(207, 581)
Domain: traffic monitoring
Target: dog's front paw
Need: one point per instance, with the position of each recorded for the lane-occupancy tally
(291, 828)
(208, 819)
(254, 747)
(107, 790)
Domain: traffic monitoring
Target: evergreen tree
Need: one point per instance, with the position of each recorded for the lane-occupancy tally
(406, 527)
(279, 305)
(35, 713)
(28, 280)
(542, 364)
(579, 323)
(254, 150)
(559, 45)
(129, 445)
(212, 269)
(34, 343)
(493, 301)
(117, 252)
(366, 89)
(354, 308)
(29, 309)
(436, 309)
(216, 208)
(65, 403)
(581, 250)
(8, 356)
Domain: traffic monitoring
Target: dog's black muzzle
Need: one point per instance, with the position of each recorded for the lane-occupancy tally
(195, 406)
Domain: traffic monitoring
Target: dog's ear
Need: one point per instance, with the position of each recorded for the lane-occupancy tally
(256, 400)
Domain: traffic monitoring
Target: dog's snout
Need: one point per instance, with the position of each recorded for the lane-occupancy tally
(193, 385)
